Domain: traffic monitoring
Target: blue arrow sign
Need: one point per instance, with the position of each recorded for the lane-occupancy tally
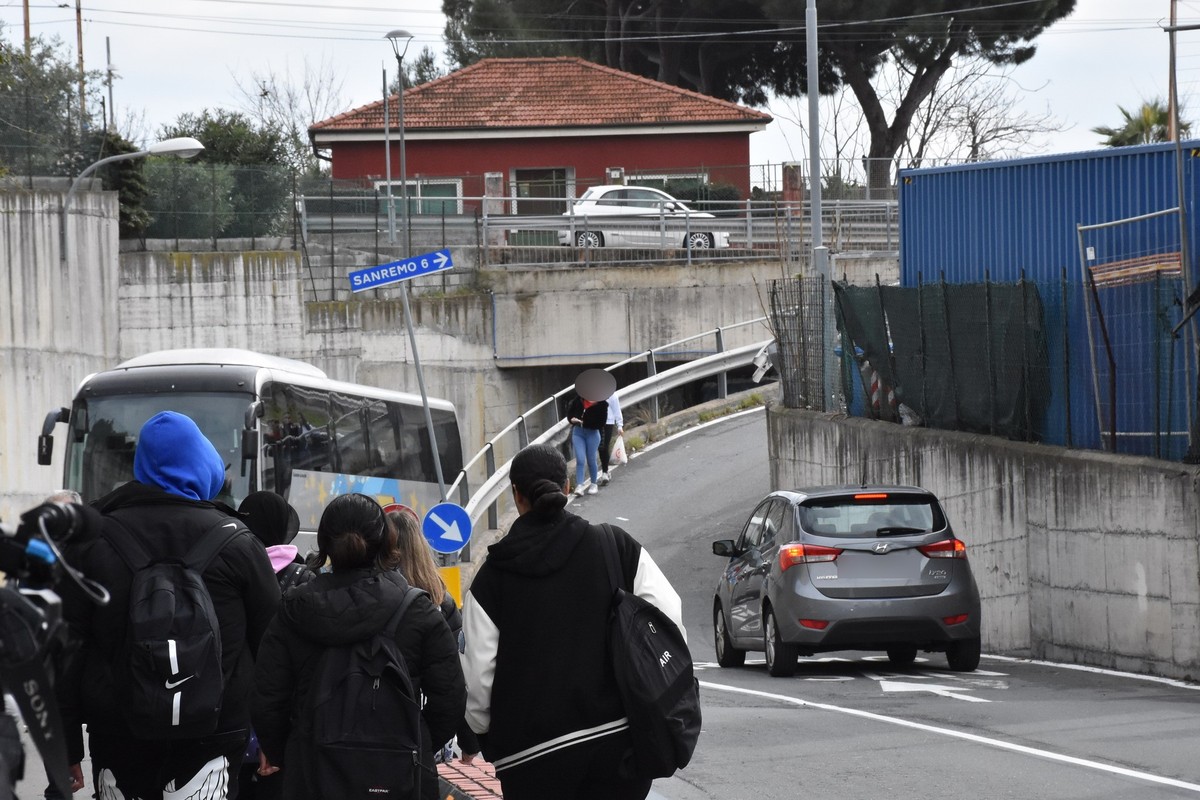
(447, 527)
(402, 270)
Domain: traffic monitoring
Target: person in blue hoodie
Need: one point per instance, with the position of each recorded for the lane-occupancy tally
(167, 508)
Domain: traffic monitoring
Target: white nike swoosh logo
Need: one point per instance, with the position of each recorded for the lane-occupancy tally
(173, 684)
(230, 525)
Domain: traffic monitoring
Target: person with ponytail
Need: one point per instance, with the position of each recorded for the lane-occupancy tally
(540, 691)
(351, 603)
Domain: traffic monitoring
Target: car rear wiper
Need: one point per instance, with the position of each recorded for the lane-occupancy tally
(898, 530)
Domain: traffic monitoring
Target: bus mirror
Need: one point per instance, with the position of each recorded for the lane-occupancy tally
(253, 412)
(249, 445)
(46, 440)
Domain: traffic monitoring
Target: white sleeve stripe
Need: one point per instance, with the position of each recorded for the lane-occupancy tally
(482, 641)
(652, 585)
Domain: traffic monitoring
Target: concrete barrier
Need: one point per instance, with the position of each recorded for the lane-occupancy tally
(1080, 556)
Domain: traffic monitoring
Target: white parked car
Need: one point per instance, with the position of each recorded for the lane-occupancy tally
(667, 222)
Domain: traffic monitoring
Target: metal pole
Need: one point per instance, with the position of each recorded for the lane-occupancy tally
(412, 337)
(820, 253)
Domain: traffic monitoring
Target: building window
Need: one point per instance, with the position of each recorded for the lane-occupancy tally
(436, 197)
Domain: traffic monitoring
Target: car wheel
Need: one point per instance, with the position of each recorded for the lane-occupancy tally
(902, 655)
(727, 654)
(698, 241)
(963, 655)
(781, 657)
(589, 239)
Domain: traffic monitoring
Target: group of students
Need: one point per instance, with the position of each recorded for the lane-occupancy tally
(593, 425)
(527, 674)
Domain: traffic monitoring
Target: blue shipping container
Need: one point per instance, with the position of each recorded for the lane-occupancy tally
(1004, 217)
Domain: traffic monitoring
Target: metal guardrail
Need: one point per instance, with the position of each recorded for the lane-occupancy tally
(484, 499)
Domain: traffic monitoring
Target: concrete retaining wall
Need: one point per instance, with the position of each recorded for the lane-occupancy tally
(1080, 556)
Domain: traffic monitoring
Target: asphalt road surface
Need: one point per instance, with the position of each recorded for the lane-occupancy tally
(849, 726)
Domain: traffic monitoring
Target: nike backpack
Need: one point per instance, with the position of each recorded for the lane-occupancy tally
(364, 719)
(167, 673)
(653, 668)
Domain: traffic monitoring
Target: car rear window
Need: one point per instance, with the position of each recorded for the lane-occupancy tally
(871, 514)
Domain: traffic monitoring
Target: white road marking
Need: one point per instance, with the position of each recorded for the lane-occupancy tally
(935, 688)
(1100, 671)
(987, 741)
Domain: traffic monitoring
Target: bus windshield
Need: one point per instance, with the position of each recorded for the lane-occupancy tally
(104, 435)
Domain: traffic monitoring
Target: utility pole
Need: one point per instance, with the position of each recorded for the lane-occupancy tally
(28, 38)
(820, 253)
(1172, 108)
(79, 47)
(108, 76)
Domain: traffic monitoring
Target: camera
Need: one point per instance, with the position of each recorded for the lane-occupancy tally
(33, 634)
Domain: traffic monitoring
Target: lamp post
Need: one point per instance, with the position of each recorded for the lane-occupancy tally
(180, 147)
(395, 37)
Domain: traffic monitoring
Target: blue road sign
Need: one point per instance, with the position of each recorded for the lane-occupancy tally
(447, 527)
(402, 270)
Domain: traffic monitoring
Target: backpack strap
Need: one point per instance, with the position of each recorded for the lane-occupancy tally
(205, 549)
(130, 548)
(393, 624)
(615, 573)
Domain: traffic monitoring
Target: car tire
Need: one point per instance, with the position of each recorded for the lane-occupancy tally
(727, 654)
(901, 655)
(781, 657)
(963, 655)
(698, 241)
(589, 239)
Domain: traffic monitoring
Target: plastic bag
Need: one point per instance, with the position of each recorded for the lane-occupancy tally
(619, 456)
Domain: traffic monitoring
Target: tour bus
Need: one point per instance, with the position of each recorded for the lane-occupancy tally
(279, 424)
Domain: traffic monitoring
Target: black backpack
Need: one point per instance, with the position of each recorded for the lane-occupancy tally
(171, 683)
(365, 719)
(653, 668)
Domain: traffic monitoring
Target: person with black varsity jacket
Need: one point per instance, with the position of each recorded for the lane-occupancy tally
(540, 689)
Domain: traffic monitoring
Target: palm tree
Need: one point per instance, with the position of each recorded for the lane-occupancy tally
(1149, 124)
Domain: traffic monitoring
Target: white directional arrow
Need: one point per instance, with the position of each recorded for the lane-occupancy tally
(450, 531)
(943, 691)
(440, 260)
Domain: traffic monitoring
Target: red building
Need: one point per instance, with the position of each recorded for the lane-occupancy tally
(550, 126)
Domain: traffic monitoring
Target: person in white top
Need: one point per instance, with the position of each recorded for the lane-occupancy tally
(615, 422)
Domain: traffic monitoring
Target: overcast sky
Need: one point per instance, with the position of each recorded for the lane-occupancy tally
(186, 55)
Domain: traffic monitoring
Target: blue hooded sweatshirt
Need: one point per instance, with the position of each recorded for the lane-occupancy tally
(175, 456)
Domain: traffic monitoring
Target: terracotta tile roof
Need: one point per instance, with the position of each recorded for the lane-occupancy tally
(504, 93)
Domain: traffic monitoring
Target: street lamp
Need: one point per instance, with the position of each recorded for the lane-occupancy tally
(395, 37)
(180, 147)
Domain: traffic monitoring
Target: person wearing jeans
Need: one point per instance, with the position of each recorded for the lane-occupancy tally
(614, 422)
(587, 419)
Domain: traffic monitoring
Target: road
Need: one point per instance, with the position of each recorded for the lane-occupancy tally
(848, 725)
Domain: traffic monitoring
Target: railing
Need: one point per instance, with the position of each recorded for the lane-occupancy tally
(516, 435)
(711, 230)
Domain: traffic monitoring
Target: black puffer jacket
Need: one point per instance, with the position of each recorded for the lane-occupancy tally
(339, 608)
(240, 580)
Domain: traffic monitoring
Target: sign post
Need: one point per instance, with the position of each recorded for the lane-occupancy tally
(403, 270)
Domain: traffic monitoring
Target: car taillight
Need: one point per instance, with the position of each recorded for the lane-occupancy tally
(949, 548)
(815, 624)
(792, 554)
(957, 619)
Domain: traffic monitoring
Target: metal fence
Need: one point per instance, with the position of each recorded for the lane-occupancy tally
(488, 469)
(1006, 359)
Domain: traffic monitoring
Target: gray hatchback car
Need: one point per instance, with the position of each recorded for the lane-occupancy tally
(846, 568)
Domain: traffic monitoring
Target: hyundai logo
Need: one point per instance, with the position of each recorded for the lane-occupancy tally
(881, 547)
